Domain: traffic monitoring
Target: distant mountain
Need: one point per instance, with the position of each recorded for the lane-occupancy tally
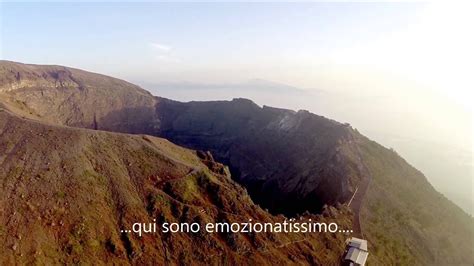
(290, 162)
(258, 90)
(253, 85)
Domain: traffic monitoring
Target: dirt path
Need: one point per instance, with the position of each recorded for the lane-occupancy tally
(291, 242)
(356, 201)
(356, 204)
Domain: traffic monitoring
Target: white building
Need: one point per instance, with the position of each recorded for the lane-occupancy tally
(356, 252)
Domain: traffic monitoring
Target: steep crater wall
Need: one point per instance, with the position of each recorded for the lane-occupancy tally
(290, 162)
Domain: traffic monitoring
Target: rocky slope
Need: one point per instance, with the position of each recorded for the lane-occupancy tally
(289, 161)
(66, 193)
(406, 220)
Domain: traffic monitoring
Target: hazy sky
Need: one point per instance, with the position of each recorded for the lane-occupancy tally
(402, 52)
(393, 70)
